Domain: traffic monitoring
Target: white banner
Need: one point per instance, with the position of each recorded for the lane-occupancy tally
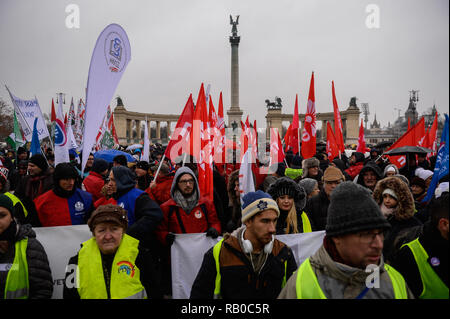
(61, 243)
(109, 60)
(27, 111)
(188, 249)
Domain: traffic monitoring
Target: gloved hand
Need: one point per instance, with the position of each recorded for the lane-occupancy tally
(170, 239)
(212, 232)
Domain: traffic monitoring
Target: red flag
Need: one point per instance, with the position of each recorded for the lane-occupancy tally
(338, 130)
(412, 137)
(243, 139)
(432, 136)
(53, 116)
(308, 149)
(276, 147)
(293, 137)
(287, 138)
(180, 136)
(361, 141)
(332, 145)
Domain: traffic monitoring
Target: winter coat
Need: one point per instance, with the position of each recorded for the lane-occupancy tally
(161, 192)
(356, 167)
(369, 166)
(93, 184)
(39, 273)
(54, 210)
(238, 279)
(234, 209)
(340, 281)
(435, 246)
(403, 216)
(175, 220)
(317, 210)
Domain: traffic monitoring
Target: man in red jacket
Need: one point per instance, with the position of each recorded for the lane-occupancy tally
(94, 182)
(187, 211)
(159, 190)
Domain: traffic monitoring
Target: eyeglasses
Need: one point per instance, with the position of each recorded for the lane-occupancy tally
(185, 182)
(368, 237)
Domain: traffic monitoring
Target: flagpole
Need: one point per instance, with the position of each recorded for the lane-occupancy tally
(159, 167)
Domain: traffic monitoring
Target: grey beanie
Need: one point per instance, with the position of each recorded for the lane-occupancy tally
(308, 184)
(353, 209)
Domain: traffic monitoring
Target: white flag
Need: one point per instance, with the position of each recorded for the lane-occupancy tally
(246, 183)
(146, 151)
(109, 60)
(61, 141)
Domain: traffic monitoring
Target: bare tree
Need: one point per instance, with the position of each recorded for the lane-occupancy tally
(6, 119)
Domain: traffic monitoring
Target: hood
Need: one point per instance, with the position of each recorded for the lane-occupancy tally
(125, 178)
(405, 199)
(178, 173)
(25, 231)
(388, 167)
(370, 166)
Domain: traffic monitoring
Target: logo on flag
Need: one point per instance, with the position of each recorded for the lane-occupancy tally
(60, 134)
(114, 51)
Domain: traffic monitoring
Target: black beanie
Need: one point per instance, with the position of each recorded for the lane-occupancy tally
(7, 203)
(64, 171)
(99, 165)
(40, 161)
(353, 209)
(286, 186)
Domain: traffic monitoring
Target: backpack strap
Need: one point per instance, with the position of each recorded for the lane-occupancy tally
(180, 221)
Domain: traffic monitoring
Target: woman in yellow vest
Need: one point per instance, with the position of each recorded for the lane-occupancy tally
(20, 212)
(24, 268)
(349, 264)
(424, 261)
(291, 199)
(110, 265)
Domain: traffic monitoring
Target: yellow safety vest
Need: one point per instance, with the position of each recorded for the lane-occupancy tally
(125, 275)
(217, 286)
(17, 285)
(307, 285)
(16, 200)
(433, 286)
(306, 223)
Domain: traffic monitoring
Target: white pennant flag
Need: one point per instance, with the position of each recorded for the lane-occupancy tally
(246, 183)
(109, 60)
(61, 140)
(146, 151)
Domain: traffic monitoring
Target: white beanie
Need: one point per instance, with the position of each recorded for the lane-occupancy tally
(423, 173)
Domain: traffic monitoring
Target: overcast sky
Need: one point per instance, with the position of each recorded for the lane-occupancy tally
(178, 44)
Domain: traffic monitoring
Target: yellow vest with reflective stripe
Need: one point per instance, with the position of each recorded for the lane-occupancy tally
(17, 285)
(307, 285)
(16, 200)
(217, 286)
(433, 286)
(125, 275)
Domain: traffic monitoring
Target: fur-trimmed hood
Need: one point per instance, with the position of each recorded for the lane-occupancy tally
(405, 207)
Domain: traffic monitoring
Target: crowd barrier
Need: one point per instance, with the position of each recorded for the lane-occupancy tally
(187, 252)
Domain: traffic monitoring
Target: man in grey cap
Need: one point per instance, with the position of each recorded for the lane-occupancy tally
(349, 264)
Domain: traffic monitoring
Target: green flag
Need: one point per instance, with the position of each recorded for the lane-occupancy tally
(15, 138)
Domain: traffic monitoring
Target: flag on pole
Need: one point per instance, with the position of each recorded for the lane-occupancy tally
(221, 126)
(338, 128)
(332, 145)
(35, 147)
(246, 183)
(308, 149)
(146, 150)
(15, 138)
(441, 168)
(61, 140)
(361, 140)
(276, 147)
(292, 142)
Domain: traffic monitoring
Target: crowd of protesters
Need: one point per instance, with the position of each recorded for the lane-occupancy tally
(371, 212)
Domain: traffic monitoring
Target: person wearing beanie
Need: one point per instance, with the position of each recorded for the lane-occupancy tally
(418, 189)
(142, 173)
(423, 261)
(95, 180)
(28, 275)
(369, 175)
(294, 171)
(342, 268)
(424, 174)
(339, 163)
(65, 204)
(317, 206)
(397, 203)
(126, 267)
(356, 162)
(291, 200)
(38, 181)
(19, 212)
(120, 160)
(310, 186)
(144, 215)
(390, 170)
(252, 263)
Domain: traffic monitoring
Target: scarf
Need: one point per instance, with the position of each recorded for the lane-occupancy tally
(186, 203)
(387, 211)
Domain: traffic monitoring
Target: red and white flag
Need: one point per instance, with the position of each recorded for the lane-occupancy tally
(276, 147)
(338, 128)
(308, 149)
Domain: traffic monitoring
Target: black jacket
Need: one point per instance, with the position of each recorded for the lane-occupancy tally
(39, 273)
(238, 280)
(317, 210)
(435, 246)
(149, 272)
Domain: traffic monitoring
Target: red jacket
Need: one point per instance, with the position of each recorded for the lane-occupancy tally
(161, 192)
(93, 184)
(354, 169)
(194, 222)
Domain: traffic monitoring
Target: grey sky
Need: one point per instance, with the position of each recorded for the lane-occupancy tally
(176, 45)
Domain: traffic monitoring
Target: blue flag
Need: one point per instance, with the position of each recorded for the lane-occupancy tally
(35, 145)
(442, 162)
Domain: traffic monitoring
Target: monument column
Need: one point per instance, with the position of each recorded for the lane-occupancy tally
(234, 113)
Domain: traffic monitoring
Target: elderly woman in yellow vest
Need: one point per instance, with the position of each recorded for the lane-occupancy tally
(110, 265)
(24, 268)
(349, 264)
(291, 200)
